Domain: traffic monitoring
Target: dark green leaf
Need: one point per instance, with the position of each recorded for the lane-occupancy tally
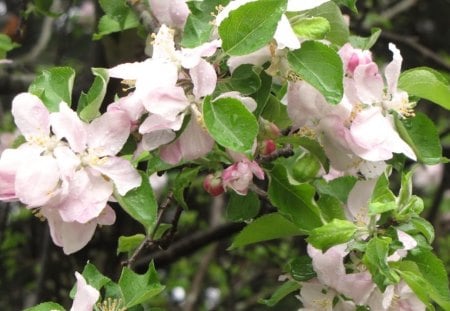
(421, 134)
(245, 80)
(53, 86)
(351, 4)
(231, 124)
(140, 203)
(426, 83)
(262, 95)
(196, 31)
(320, 66)
(331, 207)
(301, 269)
(365, 43)
(333, 233)
(267, 227)
(183, 181)
(46, 306)
(251, 26)
(295, 201)
(240, 208)
(338, 188)
(94, 277)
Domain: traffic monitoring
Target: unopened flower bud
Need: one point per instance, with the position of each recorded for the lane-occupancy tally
(269, 130)
(213, 184)
(267, 147)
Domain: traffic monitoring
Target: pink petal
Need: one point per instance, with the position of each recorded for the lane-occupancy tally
(204, 78)
(152, 140)
(156, 122)
(191, 57)
(66, 124)
(30, 115)
(358, 200)
(256, 170)
(392, 70)
(86, 295)
(369, 83)
(357, 286)
(121, 172)
(108, 133)
(130, 104)
(87, 197)
(37, 181)
(68, 162)
(173, 13)
(167, 102)
(171, 153)
(195, 142)
(329, 265)
(158, 73)
(107, 217)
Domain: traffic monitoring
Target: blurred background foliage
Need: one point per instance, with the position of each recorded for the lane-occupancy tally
(199, 272)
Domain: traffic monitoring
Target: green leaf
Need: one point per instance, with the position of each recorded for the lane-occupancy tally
(46, 306)
(306, 167)
(251, 26)
(267, 227)
(94, 277)
(245, 80)
(295, 201)
(53, 86)
(339, 31)
(426, 83)
(301, 269)
(108, 25)
(424, 227)
(6, 45)
(196, 31)
(333, 233)
(240, 208)
(285, 289)
(351, 4)
(183, 181)
(421, 134)
(338, 188)
(140, 203)
(129, 243)
(433, 270)
(139, 288)
(90, 103)
(313, 146)
(312, 27)
(330, 207)
(262, 95)
(276, 112)
(365, 43)
(230, 124)
(320, 66)
(381, 192)
(375, 260)
(376, 208)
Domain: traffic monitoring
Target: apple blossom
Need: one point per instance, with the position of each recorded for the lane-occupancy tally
(86, 295)
(239, 175)
(213, 184)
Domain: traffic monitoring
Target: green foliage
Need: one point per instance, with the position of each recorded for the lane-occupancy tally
(251, 26)
(53, 86)
(89, 104)
(140, 203)
(338, 188)
(46, 306)
(339, 32)
(281, 292)
(6, 45)
(183, 181)
(118, 17)
(231, 124)
(320, 66)
(365, 43)
(426, 83)
(301, 269)
(129, 243)
(240, 208)
(267, 227)
(245, 80)
(333, 233)
(421, 134)
(312, 27)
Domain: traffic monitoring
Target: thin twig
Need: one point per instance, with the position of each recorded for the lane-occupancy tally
(398, 8)
(285, 152)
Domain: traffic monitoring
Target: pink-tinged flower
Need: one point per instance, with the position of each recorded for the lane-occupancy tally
(239, 175)
(193, 143)
(353, 58)
(73, 236)
(316, 296)
(173, 13)
(396, 297)
(213, 184)
(86, 295)
(358, 201)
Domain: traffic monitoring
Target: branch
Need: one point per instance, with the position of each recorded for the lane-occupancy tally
(398, 8)
(285, 152)
(191, 244)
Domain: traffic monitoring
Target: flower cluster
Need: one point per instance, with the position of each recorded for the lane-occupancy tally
(67, 169)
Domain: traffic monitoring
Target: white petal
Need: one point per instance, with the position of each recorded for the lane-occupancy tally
(86, 295)
(301, 5)
(204, 78)
(285, 35)
(30, 115)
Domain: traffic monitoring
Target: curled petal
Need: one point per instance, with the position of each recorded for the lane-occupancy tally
(121, 172)
(285, 35)
(204, 78)
(30, 115)
(66, 124)
(191, 57)
(392, 70)
(108, 133)
(86, 295)
(129, 71)
(107, 217)
(368, 83)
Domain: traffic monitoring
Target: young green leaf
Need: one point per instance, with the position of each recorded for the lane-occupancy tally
(313, 28)
(140, 203)
(53, 86)
(333, 233)
(129, 243)
(285, 289)
(365, 43)
(6, 45)
(320, 66)
(231, 124)
(426, 83)
(89, 104)
(183, 181)
(139, 288)
(251, 26)
(267, 227)
(46, 306)
(339, 31)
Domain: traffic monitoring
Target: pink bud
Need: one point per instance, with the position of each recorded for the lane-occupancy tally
(213, 184)
(269, 130)
(267, 147)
